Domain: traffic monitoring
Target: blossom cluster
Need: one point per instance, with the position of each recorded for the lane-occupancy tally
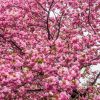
(41, 56)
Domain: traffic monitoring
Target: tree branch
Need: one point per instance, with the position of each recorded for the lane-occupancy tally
(95, 80)
(59, 26)
(18, 48)
(41, 6)
(89, 22)
(34, 90)
(47, 21)
(13, 43)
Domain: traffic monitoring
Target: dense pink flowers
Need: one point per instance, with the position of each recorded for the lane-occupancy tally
(44, 45)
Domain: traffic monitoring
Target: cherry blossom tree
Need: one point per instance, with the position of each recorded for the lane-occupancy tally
(44, 45)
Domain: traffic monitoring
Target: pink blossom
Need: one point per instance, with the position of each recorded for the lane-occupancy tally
(64, 96)
(97, 97)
